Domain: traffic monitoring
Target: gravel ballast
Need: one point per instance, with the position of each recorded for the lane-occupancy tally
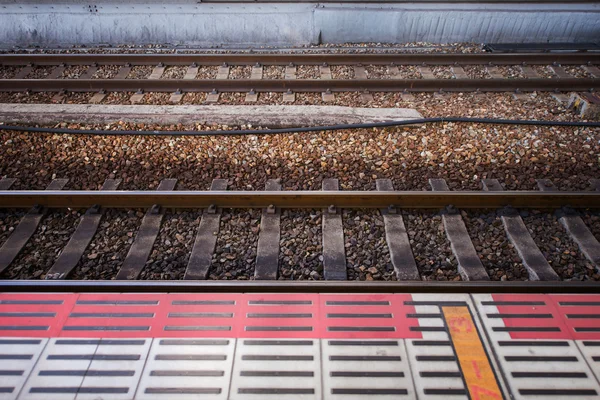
(460, 153)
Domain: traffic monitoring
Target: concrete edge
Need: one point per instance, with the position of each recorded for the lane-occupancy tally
(256, 115)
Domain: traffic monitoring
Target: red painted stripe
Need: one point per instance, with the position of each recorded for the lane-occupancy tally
(54, 324)
(573, 324)
(97, 315)
(400, 323)
(568, 326)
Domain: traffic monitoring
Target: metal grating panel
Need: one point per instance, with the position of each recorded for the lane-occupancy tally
(60, 369)
(18, 356)
(187, 369)
(534, 349)
(277, 369)
(361, 369)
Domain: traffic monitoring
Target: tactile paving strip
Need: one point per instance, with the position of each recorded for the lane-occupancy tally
(437, 368)
(366, 368)
(278, 369)
(535, 349)
(187, 369)
(304, 346)
(17, 358)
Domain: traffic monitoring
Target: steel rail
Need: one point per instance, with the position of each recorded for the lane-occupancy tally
(301, 59)
(299, 85)
(298, 199)
(280, 286)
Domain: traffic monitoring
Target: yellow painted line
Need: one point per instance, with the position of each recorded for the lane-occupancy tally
(474, 362)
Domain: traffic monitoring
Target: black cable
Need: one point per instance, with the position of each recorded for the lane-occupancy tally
(299, 129)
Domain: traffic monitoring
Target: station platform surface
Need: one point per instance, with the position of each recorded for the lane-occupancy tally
(299, 346)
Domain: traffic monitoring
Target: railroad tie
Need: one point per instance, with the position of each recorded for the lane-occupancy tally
(394, 72)
(83, 235)
(123, 72)
(494, 72)
(146, 236)
(137, 97)
(267, 252)
(206, 238)
(459, 72)
(222, 74)
(190, 73)
(334, 252)
(325, 73)
(27, 226)
(56, 72)
(98, 97)
(157, 72)
(6, 183)
(290, 74)
(397, 240)
(560, 72)
(533, 260)
(23, 72)
(592, 70)
(470, 267)
(576, 227)
(257, 74)
(426, 73)
(89, 73)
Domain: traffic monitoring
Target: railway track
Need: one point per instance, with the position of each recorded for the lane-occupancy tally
(390, 204)
(257, 73)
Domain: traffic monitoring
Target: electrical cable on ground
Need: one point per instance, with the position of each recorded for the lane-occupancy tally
(243, 132)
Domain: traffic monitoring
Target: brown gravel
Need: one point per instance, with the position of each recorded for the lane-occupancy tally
(205, 72)
(174, 73)
(77, 98)
(273, 72)
(443, 72)
(377, 72)
(409, 72)
(430, 246)
(300, 247)
(9, 219)
(360, 48)
(106, 72)
(140, 72)
(269, 98)
(476, 72)
(543, 71)
(156, 98)
(232, 98)
(497, 254)
(511, 71)
(342, 72)
(105, 254)
(235, 252)
(27, 98)
(173, 246)
(42, 250)
(8, 72)
(577, 71)
(367, 252)
(194, 98)
(39, 72)
(73, 72)
(307, 72)
(240, 72)
(118, 98)
(558, 248)
(463, 154)
(592, 220)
